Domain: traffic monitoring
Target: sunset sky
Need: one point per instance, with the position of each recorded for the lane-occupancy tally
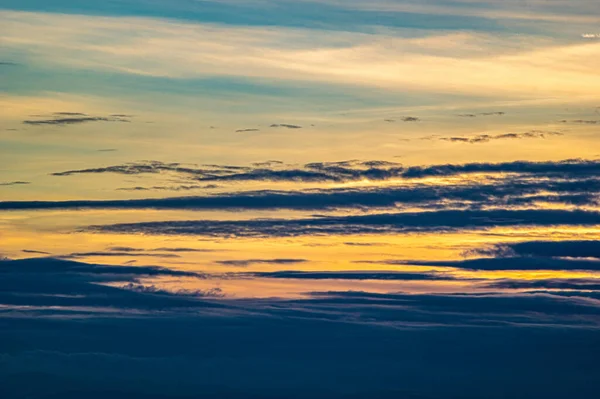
(349, 198)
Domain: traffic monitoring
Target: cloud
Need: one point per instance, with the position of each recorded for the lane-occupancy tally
(72, 118)
(286, 126)
(62, 284)
(353, 170)
(563, 249)
(15, 183)
(553, 284)
(334, 275)
(161, 249)
(78, 255)
(410, 119)
(435, 62)
(249, 262)
(247, 130)
(582, 122)
(170, 188)
(446, 220)
(573, 187)
(486, 138)
(525, 255)
(508, 263)
(31, 251)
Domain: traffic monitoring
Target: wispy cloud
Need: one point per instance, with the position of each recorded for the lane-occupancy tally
(445, 220)
(350, 170)
(249, 262)
(436, 63)
(285, 125)
(486, 138)
(72, 118)
(14, 183)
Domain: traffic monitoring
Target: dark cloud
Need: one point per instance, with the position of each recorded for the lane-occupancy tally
(350, 170)
(501, 263)
(513, 191)
(170, 188)
(564, 249)
(15, 183)
(363, 244)
(79, 255)
(554, 284)
(52, 282)
(31, 251)
(249, 262)
(285, 125)
(267, 163)
(162, 249)
(582, 122)
(69, 114)
(136, 168)
(485, 138)
(410, 119)
(447, 220)
(353, 275)
(494, 113)
(64, 333)
(247, 130)
(72, 118)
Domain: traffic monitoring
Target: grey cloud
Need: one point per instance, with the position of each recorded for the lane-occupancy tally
(247, 130)
(78, 255)
(510, 192)
(582, 122)
(410, 119)
(351, 170)
(285, 125)
(446, 220)
(161, 249)
(15, 183)
(169, 188)
(249, 262)
(70, 114)
(360, 275)
(564, 249)
(554, 284)
(31, 251)
(502, 263)
(71, 118)
(494, 113)
(485, 138)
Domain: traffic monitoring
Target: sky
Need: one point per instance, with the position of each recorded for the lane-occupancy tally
(300, 199)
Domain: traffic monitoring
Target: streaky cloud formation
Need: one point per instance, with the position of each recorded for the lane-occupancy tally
(510, 263)
(249, 262)
(72, 118)
(14, 183)
(486, 138)
(555, 284)
(285, 125)
(560, 249)
(446, 220)
(324, 275)
(348, 170)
